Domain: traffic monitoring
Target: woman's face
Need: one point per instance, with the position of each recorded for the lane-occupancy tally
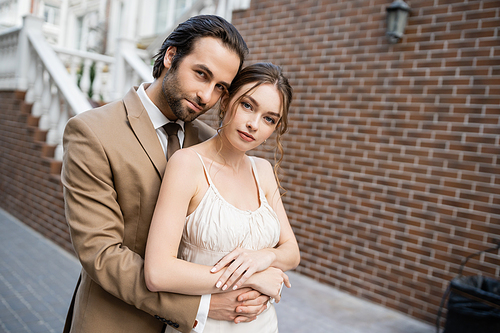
(254, 118)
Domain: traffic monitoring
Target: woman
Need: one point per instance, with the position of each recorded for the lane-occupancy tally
(235, 216)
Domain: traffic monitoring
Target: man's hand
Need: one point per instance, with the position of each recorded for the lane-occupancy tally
(242, 305)
(269, 282)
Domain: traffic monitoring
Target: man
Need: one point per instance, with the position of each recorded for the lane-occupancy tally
(114, 159)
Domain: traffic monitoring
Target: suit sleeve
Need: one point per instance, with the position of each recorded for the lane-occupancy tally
(97, 230)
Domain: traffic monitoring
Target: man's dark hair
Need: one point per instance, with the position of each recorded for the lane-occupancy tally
(186, 33)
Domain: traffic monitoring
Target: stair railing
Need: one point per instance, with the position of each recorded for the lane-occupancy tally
(28, 63)
(81, 64)
(49, 88)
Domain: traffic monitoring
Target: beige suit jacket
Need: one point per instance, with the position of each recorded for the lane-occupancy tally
(112, 169)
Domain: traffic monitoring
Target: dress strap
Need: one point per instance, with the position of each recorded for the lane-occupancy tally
(254, 169)
(205, 169)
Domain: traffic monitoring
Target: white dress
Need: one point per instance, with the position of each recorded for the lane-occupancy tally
(216, 228)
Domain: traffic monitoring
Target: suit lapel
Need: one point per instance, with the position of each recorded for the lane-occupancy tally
(144, 131)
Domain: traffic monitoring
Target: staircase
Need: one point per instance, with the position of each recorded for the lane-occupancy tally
(30, 184)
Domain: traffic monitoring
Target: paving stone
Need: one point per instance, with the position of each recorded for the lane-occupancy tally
(35, 288)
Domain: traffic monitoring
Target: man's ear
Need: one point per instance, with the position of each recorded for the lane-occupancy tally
(169, 56)
(224, 102)
(223, 106)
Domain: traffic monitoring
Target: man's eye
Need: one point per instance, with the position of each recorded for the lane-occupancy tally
(220, 87)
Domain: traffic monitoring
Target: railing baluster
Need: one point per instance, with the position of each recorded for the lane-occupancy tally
(97, 85)
(73, 67)
(85, 79)
(54, 114)
(36, 109)
(106, 76)
(64, 115)
(45, 102)
(30, 93)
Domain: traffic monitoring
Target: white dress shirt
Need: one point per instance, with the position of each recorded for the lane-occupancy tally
(158, 119)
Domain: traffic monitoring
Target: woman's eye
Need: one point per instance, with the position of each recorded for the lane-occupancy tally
(246, 105)
(270, 120)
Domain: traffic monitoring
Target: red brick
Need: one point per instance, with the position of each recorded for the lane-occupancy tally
(481, 15)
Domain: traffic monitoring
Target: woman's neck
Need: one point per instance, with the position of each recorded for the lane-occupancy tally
(223, 153)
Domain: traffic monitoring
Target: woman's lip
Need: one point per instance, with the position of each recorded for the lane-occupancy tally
(246, 136)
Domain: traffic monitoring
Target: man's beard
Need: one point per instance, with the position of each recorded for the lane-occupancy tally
(174, 97)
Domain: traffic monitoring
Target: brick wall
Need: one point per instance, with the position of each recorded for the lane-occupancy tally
(30, 188)
(392, 159)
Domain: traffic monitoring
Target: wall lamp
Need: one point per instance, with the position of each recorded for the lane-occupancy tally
(397, 16)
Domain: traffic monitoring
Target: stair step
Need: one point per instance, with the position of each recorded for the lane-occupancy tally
(22, 117)
(26, 107)
(48, 150)
(32, 121)
(40, 136)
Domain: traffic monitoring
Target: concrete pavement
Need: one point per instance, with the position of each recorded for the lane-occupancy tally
(37, 279)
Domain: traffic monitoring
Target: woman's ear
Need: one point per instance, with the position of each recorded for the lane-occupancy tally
(169, 56)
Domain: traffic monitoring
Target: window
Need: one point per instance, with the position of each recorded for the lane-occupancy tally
(52, 14)
(169, 11)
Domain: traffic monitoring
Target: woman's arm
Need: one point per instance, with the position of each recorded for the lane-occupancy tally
(241, 263)
(287, 251)
(163, 271)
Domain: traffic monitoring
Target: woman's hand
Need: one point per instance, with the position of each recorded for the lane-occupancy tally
(269, 282)
(241, 265)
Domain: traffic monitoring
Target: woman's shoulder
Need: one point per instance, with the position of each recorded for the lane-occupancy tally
(185, 154)
(185, 159)
(264, 169)
(261, 163)
(184, 169)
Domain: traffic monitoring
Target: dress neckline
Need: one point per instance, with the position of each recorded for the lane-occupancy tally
(212, 186)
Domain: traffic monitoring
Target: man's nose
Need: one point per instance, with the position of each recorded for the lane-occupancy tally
(205, 94)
